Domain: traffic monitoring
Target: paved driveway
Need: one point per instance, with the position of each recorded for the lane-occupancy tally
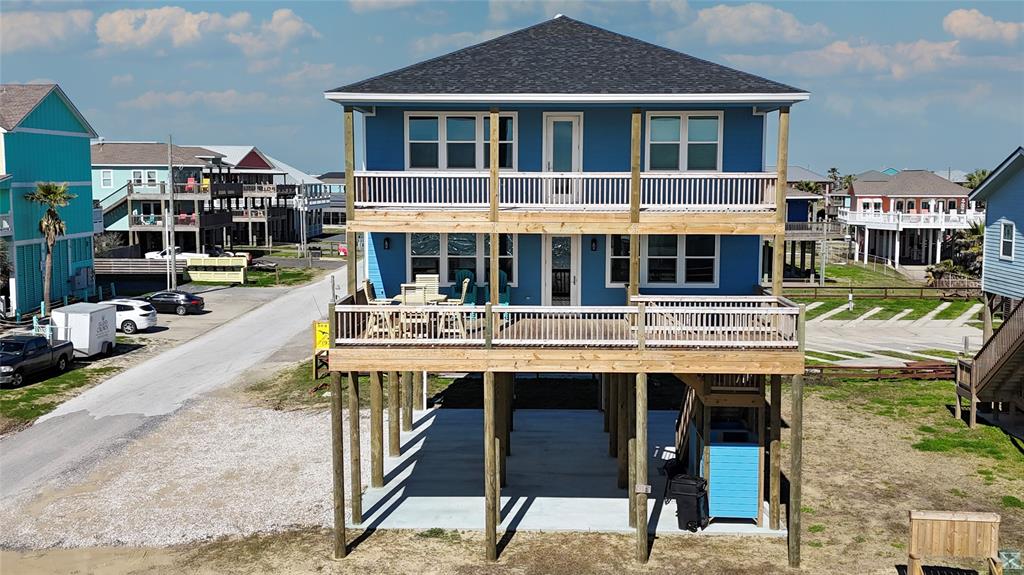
(110, 415)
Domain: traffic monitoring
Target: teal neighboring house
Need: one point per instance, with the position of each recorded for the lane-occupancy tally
(1002, 271)
(44, 139)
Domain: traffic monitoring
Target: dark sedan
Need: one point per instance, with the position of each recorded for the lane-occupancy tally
(176, 301)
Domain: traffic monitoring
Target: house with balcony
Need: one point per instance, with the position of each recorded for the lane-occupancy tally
(131, 186)
(307, 206)
(995, 375)
(808, 225)
(603, 200)
(44, 138)
(907, 218)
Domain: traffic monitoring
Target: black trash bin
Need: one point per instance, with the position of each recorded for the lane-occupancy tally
(691, 496)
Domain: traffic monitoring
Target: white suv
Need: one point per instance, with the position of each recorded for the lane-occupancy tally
(133, 314)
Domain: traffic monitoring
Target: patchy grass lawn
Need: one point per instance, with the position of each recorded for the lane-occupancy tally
(295, 388)
(899, 354)
(956, 309)
(944, 353)
(282, 277)
(22, 405)
(824, 355)
(861, 275)
(890, 307)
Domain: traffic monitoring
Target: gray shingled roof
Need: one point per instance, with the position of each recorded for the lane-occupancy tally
(916, 183)
(17, 100)
(147, 154)
(565, 56)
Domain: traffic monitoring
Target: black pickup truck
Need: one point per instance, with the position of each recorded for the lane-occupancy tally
(21, 355)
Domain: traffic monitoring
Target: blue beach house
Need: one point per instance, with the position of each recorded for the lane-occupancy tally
(1002, 271)
(44, 139)
(611, 198)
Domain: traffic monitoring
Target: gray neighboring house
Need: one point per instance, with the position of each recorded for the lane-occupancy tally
(334, 214)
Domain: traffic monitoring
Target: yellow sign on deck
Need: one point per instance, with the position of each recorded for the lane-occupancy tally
(321, 335)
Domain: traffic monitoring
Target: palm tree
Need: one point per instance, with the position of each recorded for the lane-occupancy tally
(975, 178)
(810, 187)
(52, 196)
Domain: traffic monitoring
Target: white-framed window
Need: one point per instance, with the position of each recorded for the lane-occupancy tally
(617, 267)
(1007, 231)
(151, 176)
(899, 205)
(665, 260)
(684, 141)
(458, 140)
(137, 177)
(951, 205)
(444, 254)
(926, 205)
(911, 205)
(106, 178)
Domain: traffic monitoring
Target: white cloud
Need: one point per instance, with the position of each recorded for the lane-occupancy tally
(751, 24)
(26, 30)
(973, 25)
(440, 42)
(224, 101)
(273, 35)
(678, 9)
(898, 61)
(360, 6)
(122, 79)
(139, 28)
(918, 104)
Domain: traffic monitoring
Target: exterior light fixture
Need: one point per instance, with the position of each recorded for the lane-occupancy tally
(387, 243)
(593, 244)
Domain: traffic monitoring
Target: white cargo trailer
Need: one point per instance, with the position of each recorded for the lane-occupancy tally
(90, 327)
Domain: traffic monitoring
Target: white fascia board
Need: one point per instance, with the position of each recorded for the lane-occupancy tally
(569, 98)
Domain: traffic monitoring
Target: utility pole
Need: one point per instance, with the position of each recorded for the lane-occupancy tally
(170, 216)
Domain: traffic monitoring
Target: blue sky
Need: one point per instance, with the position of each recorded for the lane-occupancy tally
(905, 84)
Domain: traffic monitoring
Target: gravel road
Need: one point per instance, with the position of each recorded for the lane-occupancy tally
(220, 467)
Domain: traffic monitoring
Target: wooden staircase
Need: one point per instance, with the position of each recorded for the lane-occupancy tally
(686, 412)
(996, 373)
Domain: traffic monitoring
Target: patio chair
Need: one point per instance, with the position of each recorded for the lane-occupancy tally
(468, 297)
(430, 283)
(379, 323)
(414, 323)
(371, 295)
(451, 322)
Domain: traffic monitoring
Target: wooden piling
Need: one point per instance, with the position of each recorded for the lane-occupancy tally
(796, 469)
(623, 431)
(641, 487)
(500, 422)
(775, 454)
(631, 457)
(604, 400)
(394, 414)
(407, 399)
(338, 467)
(490, 461)
(613, 415)
(376, 430)
(355, 467)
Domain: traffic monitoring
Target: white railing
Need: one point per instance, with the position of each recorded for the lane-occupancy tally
(577, 191)
(259, 189)
(6, 224)
(918, 220)
(758, 322)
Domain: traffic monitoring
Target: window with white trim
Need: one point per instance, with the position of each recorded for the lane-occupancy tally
(926, 205)
(665, 261)
(1006, 240)
(910, 205)
(445, 254)
(951, 205)
(690, 141)
(458, 140)
(137, 177)
(150, 176)
(106, 178)
(617, 273)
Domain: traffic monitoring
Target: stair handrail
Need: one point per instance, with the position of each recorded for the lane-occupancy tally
(992, 353)
(111, 194)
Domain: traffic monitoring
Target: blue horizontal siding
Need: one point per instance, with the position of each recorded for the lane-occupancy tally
(999, 276)
(733, 487)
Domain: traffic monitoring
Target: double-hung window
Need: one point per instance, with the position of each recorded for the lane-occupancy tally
(458, 140)
(1006, 240)
(665, 261)
(690, 141)
(137, 177)
(910, 205)
(151, 177)
(107, 178)
(446, 254)
(618, 260)
(951, 206)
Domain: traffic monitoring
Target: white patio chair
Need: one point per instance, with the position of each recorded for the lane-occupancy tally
(451, 322)
(414, 323)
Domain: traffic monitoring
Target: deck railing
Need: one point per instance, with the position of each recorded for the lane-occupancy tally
(816, 228)
(758, 322)
(921, 220)
(998, 347)
(575, 191)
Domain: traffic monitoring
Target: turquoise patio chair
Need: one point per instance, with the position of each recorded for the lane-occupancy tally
(461, 275)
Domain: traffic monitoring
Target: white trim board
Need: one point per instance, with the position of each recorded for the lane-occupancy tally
(51, 132)
(33, 184)
(568, 98)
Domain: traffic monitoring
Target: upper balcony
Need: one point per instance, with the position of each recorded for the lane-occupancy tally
(566, 202)
(899, 220)
(749, 334)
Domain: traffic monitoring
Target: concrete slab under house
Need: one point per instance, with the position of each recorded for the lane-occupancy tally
(567, 200)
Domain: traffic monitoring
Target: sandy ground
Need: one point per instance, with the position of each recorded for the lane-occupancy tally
(201, 481)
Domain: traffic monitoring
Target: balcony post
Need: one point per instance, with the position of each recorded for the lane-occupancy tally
(337, 441)
(494, 198)
(376, 429)
(634, 206)
(355, 447)
(778, 254)
(350, 199)
(796, 450)
(641, 487)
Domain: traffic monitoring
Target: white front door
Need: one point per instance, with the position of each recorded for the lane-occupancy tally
(560, 280)
(563, 153)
